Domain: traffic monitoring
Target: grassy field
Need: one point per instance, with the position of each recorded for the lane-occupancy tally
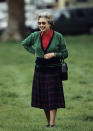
(16, 74)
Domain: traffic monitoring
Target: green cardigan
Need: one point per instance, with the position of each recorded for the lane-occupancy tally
(33, 44)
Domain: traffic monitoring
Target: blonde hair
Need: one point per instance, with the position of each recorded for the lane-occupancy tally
(48, 16)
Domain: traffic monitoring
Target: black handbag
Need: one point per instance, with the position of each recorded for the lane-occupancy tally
(64, 70)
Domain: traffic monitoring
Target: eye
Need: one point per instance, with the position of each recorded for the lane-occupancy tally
(43, 23)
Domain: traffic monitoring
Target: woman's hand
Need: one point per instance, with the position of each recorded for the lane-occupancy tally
(49, 55)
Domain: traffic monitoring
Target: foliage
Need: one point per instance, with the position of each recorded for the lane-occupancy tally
(16, 73)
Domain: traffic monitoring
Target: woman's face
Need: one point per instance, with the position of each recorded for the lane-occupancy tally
(43, 24)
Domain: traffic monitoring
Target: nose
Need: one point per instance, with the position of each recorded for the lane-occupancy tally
(42, 24)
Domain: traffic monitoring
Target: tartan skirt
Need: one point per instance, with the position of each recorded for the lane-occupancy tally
(47, 90)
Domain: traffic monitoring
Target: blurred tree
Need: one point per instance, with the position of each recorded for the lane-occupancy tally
(16, 29)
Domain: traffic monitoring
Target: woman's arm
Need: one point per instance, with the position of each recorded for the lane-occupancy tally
(28, 43)
(63, 52)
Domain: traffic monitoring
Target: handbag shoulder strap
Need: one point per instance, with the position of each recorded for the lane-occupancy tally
(62, 59)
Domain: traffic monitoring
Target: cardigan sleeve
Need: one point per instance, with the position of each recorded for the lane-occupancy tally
(28, 43)
(63, 52)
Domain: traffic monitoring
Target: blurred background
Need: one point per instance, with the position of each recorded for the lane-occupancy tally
(70, 16)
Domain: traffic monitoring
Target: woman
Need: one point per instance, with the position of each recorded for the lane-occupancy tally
(49, 47)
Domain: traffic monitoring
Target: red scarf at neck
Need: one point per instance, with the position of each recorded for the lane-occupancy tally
(46, 38)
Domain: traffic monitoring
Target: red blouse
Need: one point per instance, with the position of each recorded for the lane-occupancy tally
(46, 38)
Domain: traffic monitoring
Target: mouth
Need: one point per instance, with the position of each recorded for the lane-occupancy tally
(42, 28)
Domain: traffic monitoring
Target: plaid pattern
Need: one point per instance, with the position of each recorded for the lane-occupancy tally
(47, 90)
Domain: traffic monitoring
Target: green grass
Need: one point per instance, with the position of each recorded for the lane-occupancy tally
(16, 74)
